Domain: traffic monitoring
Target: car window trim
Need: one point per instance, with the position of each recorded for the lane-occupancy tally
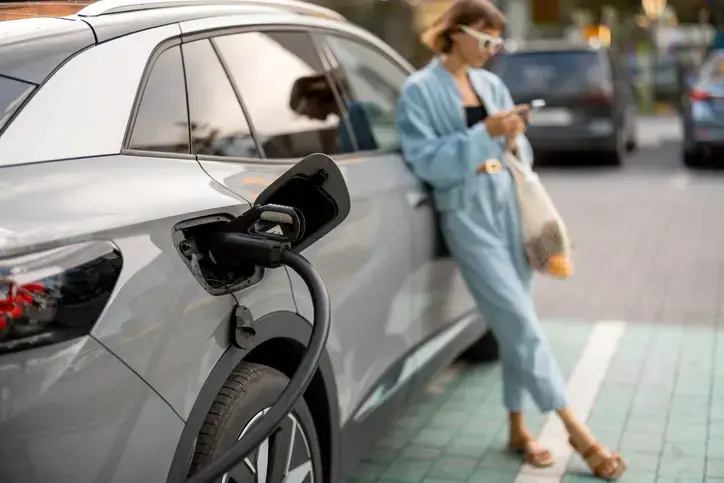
(157, 154)
(313, 30)
(140, 91)
(342, 158)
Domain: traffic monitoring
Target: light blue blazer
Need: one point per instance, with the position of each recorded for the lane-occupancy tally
(435, 139)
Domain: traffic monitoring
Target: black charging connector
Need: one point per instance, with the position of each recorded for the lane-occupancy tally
(229, 248)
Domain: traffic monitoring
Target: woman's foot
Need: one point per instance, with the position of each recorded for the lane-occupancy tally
(524, 443)
(534, 453)
(604, 463)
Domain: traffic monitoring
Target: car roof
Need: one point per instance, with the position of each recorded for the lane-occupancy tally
(41, 36)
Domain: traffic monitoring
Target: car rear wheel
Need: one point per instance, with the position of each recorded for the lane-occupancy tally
(291, 455)
(693, 158)
(616, 156)
(484, 349)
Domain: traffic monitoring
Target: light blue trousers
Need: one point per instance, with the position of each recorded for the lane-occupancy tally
(486, 240)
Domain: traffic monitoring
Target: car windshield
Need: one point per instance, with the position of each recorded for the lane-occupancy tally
(713, 68)
(566, 71)
(18, 10)
(12, 94)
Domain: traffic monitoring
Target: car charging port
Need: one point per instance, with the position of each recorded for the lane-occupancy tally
(193, 240)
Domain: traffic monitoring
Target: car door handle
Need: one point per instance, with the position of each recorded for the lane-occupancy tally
(417, 199)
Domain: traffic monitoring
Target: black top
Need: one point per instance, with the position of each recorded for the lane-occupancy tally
(475, 114)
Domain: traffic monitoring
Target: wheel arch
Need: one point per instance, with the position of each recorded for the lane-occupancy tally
(285, 333)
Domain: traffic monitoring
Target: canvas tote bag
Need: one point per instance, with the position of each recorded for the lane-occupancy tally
(546, 240)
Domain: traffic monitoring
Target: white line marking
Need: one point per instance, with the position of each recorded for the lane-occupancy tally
(680, 181)
(582, 389)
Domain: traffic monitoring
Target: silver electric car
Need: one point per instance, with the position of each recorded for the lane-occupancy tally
(128, 131)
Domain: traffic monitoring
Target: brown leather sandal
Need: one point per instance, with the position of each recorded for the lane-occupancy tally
(540, 458)
(599, 458)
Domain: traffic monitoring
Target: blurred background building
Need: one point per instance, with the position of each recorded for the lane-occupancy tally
(656, 37)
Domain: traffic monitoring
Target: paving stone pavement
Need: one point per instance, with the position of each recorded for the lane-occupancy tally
(661, 404)
(650, 252)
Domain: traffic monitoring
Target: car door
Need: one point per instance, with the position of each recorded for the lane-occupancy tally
(279, 78)
(373, 82)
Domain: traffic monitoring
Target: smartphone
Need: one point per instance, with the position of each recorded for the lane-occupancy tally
(534, 105)
(537, 104)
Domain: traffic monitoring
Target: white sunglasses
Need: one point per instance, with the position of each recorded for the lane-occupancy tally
(485, 42)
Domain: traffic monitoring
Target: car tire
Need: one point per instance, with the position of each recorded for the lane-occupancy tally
(247, 393)
(693, 158)
(632, 144)
(483, 350)
(616, 156)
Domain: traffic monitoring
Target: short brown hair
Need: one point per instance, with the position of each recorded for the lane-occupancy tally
(461, 12)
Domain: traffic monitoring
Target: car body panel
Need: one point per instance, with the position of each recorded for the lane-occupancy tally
(74, 412)
(160, 321)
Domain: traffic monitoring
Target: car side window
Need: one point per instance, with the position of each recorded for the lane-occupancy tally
(288, 95)
(218, 124)
(374, 83)
(161, 123)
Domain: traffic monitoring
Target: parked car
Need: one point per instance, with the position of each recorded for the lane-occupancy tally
(127, 132)
(703, 112)
(590, 101)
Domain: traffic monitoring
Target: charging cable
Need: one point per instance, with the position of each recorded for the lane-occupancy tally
(270, 253)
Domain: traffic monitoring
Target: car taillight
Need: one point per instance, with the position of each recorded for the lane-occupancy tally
(599, 98)
(699, 95)
(55, 295)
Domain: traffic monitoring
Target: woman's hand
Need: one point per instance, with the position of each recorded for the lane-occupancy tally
(507, 123)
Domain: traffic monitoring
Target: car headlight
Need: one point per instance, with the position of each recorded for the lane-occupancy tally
(55, 295)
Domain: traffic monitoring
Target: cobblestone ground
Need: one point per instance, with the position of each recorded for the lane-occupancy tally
(661, 404)
(650, 253)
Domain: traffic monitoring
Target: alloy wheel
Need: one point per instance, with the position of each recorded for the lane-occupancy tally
(285, 457)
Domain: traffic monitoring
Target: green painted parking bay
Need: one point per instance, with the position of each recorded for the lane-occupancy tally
(660, 402)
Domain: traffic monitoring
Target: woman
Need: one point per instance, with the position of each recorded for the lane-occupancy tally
(454, 121)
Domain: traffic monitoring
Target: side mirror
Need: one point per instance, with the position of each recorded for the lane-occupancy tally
(314, 188)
